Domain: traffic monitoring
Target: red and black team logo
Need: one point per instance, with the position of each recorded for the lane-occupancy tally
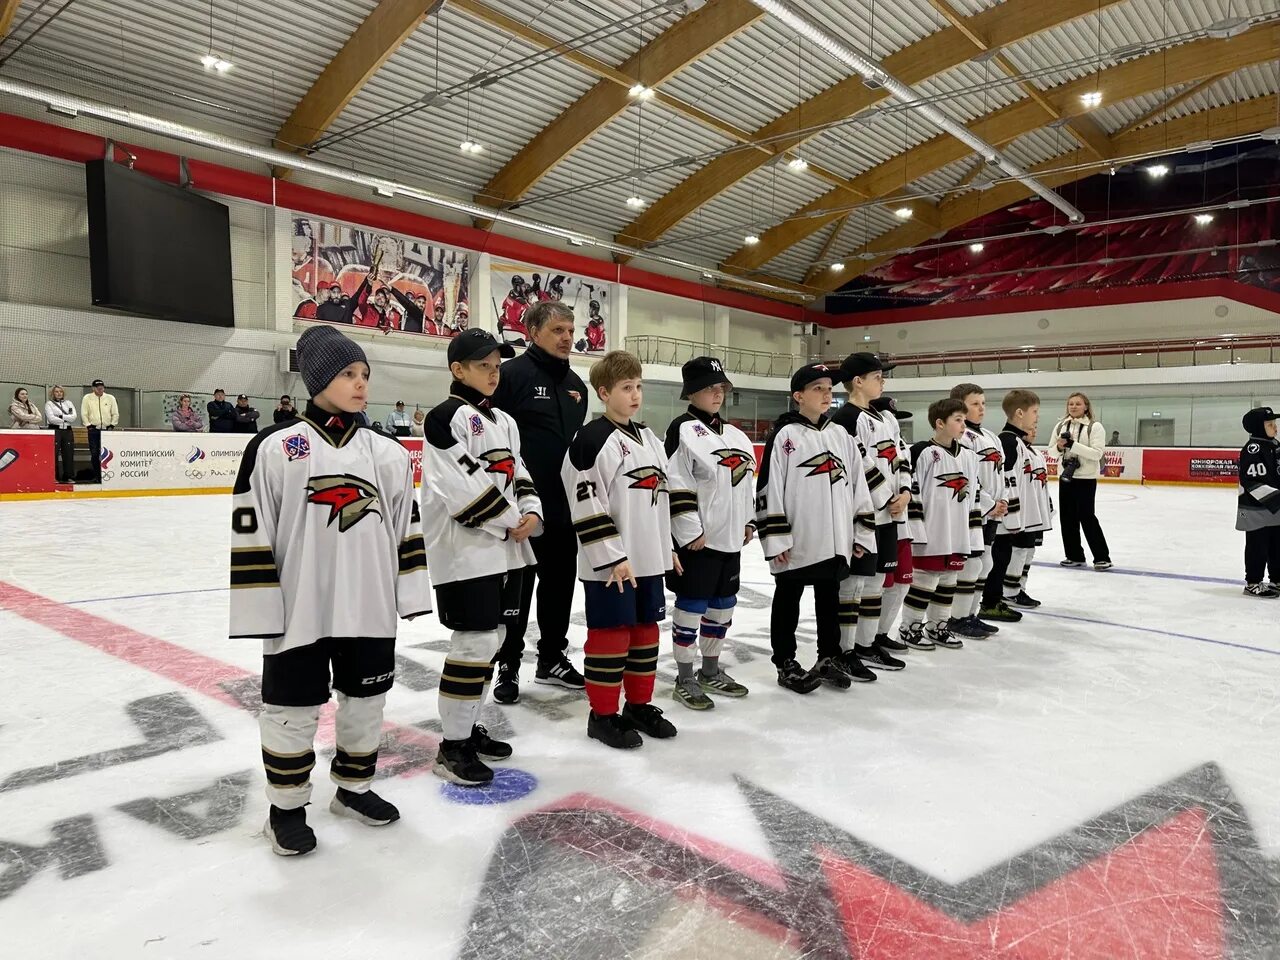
(1036, 473)
(990, 455)
(1173, 874)
(887, 450)
(349, 499)
(649, 478)
(502, 462)
(825, 464)
(737, 462)
(957, 483)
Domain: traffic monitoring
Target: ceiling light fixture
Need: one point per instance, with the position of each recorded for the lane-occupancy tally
(635, 202)
(976, 247)
(750, 239)
(1228, 27)
(640, 92)
(1156, 171)
(798, 164)
(903, 213)
(1091, 99)
(211, 61)
(1204, 219)
(837, 267)
(470, 146)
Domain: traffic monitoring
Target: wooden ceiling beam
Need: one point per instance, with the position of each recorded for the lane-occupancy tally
(1001, 25)
(1188, 62)
(8, 10)
(388, 25)
(1231, 120)
(674, 49)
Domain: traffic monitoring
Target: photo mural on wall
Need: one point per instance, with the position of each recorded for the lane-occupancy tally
(1113, 248)
(345, 274)
(517, 287)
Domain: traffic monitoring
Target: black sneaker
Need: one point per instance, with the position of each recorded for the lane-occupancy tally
(1001, 613)
(1102, 564)
(367, 807)
(612, 731)
(456, 761)
(648, 719)
(1071, 563)
(795, 677)
(1022, 600)
(486, 747)
(913, 636)
(985, 627)
(288, 832)
(507, 687)
(878, 658)
(851, 661)
(559, 674)
(1263, 590)
(831, 672)
(941, 637)
(964, 627)
(886, 642)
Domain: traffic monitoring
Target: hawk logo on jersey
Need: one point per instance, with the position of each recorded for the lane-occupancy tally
(349, 499)
(990, 455)
(649, 478)
(957, 483)
(577, 397)
(1035, 473)
(737, 462)
(501, 462)
(477, 425)
(887, 450)
(825, 464)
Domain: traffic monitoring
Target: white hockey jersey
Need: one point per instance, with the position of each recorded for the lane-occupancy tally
(475, 488)
(1030, 508)
(326, 536)
(711, 472)
(947, 521)
(615, 477)
(812, 501)
(992, 480)
(881, 437)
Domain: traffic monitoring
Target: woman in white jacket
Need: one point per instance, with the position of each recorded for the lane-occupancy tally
(61, 414)
(23, 414)
(1081, 442)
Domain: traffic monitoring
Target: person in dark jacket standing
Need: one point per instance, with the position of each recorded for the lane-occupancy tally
(1258, 503)
(549, 403)
(222, 415)
(246, 416)
(285, 410)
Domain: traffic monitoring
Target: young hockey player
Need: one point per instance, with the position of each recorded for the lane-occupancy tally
(326, 552)
(1027, 490)
(481, 509)
(993, 497)
(946, 527)
(615, 478)
(814, 516)
(866, 610)
(1258, 503)
(711, 473)
(1038, 512)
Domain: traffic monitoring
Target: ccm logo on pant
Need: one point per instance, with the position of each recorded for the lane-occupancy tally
(378, 679)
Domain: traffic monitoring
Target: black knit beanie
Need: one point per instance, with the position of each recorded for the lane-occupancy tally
(323, 353)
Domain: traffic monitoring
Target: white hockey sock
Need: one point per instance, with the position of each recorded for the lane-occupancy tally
(288, 752)
(918, 598)
(850, 588)
(940, 603)
(987, 562)
(715, 626)
(358, 726)
(891, 605)
(1013, 578)
(966, 584)
(869, 610)
(467, 671)
(684, 630)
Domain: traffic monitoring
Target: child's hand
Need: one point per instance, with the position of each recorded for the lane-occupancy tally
(857, 550)
(698, 544)
(783, 557)
(1000, 509)
(899, 504)
(748, 536)
(621, 572)
(676, 565)
(524, 530)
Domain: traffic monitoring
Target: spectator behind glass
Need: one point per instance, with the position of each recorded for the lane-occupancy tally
(222, 415)
(246, 417)
(61, 414)
(418, 427)
(398, 421)
(285, 410)
(1115, 439)
(186, 419)
(23, 414)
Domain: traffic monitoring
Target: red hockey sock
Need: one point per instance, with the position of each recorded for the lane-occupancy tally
(642, 661)
(606, 655)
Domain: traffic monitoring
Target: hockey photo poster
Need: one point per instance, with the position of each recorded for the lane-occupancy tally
(345, 274)
(517, 287)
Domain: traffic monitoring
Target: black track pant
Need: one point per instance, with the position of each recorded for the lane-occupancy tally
(1001, 552)
(785, 617)
(1076, 499)
(557, 554)
(1262, 553)
(64, 455)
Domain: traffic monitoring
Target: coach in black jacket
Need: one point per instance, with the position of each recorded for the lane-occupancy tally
(549, 403)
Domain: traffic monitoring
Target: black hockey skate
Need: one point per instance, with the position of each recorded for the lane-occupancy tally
(878, 658)
(795, 677)
(648, 719)
(486, 747)
(851, 663)
(612, 731)
(288, 832)
(367, 807)
(456, 761)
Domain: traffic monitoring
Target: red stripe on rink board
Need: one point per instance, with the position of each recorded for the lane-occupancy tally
(192, 670)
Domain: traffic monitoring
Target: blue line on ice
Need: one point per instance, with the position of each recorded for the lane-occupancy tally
(1154, 574)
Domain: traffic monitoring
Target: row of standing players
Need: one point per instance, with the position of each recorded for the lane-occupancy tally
(330, 547)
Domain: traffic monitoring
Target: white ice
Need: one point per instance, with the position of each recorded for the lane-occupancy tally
(1122, 682)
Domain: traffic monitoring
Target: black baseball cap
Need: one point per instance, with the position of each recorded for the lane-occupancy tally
(860, 364)
(97, 383)
(476, 344)
(811, 372)
(885, 403)
(243, 396)
(1255, 418)
(700, 373)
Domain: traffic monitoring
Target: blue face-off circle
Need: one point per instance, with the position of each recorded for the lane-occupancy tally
(508, 785)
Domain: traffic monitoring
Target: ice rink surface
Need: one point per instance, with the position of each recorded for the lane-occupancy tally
(1101, 781)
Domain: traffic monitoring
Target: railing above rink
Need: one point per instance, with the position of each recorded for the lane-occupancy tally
(674, 352)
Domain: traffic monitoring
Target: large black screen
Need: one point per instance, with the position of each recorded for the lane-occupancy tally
(156, 249)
